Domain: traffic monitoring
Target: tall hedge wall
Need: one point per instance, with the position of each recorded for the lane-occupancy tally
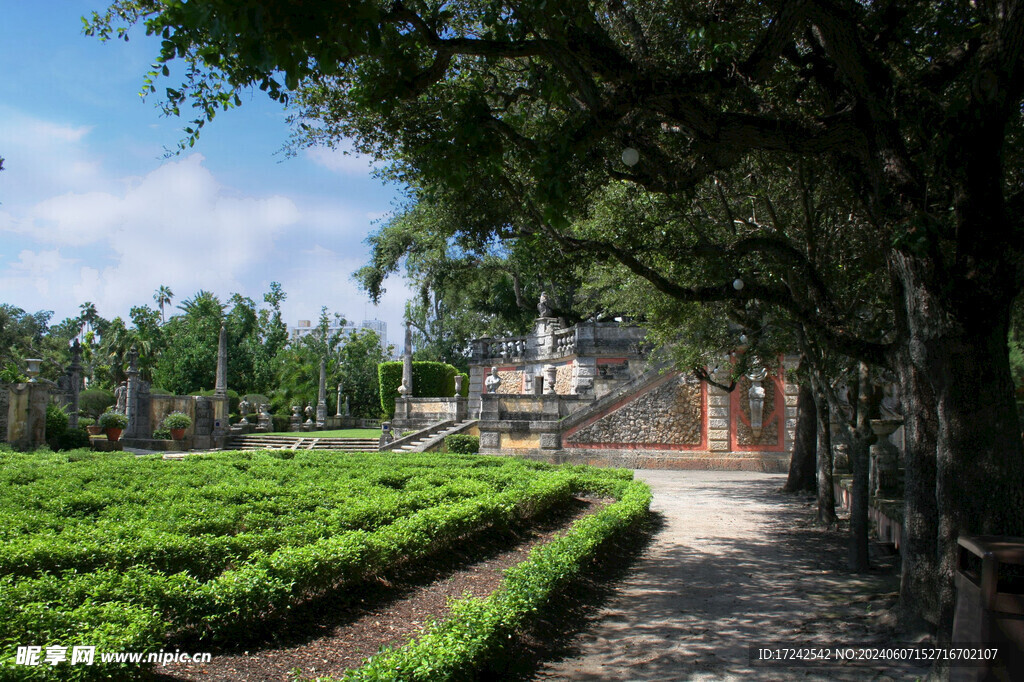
(429, 380)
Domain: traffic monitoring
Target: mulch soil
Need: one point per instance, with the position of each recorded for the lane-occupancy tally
(338, 631)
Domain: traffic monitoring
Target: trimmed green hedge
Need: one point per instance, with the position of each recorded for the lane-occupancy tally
(479, 630)
(58, 435)
(94, 401)
(460, 444)
(429, 380)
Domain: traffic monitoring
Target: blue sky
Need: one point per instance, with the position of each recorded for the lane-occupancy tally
(90, 210)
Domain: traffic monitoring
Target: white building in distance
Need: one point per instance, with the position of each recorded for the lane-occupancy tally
(306, 327)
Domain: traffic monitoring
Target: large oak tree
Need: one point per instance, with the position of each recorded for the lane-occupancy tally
(917, 106)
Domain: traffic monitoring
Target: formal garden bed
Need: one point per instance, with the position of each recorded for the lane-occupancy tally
(132, 554)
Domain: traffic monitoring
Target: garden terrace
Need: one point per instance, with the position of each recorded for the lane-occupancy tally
(124, 552)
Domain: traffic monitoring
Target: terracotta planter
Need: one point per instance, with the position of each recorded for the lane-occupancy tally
(114, 435)
(177, 434)
(94, 430)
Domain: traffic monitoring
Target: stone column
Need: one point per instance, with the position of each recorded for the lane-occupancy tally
(338, 410)
(131, 409)
(26, 415)
(221, 387)
(221, 410)
(321, 398)
(718, 413)
(407, 362)
(75, 375)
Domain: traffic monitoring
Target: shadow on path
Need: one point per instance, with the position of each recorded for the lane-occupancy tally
(733, 563)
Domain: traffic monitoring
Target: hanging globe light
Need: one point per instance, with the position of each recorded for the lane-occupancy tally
(630, 156)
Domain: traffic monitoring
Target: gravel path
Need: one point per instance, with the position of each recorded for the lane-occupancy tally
(735, 563)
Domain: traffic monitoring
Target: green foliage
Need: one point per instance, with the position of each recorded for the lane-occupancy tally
(460, 444)
(162, 434)
(95, 401)
(10, 374)
(177, 420)
(429, 380)
(86, 421)
(58, 436)
(110, 549)
(112, 420)
(477, 631)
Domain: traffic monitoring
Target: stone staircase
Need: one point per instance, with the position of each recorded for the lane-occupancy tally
(256, 441)
(426, 439)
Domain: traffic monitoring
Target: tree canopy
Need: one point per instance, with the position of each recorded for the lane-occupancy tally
(597, 127)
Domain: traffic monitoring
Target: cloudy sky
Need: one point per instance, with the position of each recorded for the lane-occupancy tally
(90, 210)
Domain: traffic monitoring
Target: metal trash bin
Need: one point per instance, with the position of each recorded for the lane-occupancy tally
(990, 603)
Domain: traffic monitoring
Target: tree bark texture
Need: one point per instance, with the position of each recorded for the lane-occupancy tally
(802, 463)
(860, 443)
(919, 587)
(958, 342)
(826, 494)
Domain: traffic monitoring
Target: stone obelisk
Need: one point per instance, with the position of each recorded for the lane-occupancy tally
(220, 389)
(321, 398)
(406, 388)
(75, 377)
(221, 405)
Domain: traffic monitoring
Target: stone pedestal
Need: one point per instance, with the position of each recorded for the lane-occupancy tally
(26, 415)
(884, 472)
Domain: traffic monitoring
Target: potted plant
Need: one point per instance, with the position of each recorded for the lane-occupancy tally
(177, 422)
(90, 425)
(113, 423)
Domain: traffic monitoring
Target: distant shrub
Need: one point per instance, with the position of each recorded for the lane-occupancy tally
(460, 444)
(162, 434)
(86, 421)
(233, 398)
(429, 380)
(93, 401)
(58, 436)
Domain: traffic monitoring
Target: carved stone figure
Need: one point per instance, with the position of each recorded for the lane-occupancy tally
(544, 308)
(493, 381)
(121, 394)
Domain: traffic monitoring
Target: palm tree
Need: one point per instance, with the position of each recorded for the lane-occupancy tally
(203, 304)
(163, 297)
(87, 316)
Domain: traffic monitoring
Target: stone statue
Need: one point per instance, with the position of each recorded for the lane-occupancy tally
(544, 308)
(493, 381)
(891, 408)
(121, 394)
(244, 407)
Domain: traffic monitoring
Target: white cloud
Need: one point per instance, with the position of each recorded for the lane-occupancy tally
(343, 159)
(176, 226)
(43, 155)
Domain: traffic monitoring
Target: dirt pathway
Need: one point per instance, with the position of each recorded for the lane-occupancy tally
(734, 564)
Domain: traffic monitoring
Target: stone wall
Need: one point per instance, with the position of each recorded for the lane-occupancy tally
(5, 403)
(669, 414)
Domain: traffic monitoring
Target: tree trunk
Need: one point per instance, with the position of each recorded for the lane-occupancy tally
(919, 603)
(826, 494)
(868, 400)
(802, 464)
(959, 343)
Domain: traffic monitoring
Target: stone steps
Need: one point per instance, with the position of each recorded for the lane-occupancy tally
(261, 442)
(419, 444)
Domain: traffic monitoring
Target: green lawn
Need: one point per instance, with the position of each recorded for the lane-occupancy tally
(338, 433)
